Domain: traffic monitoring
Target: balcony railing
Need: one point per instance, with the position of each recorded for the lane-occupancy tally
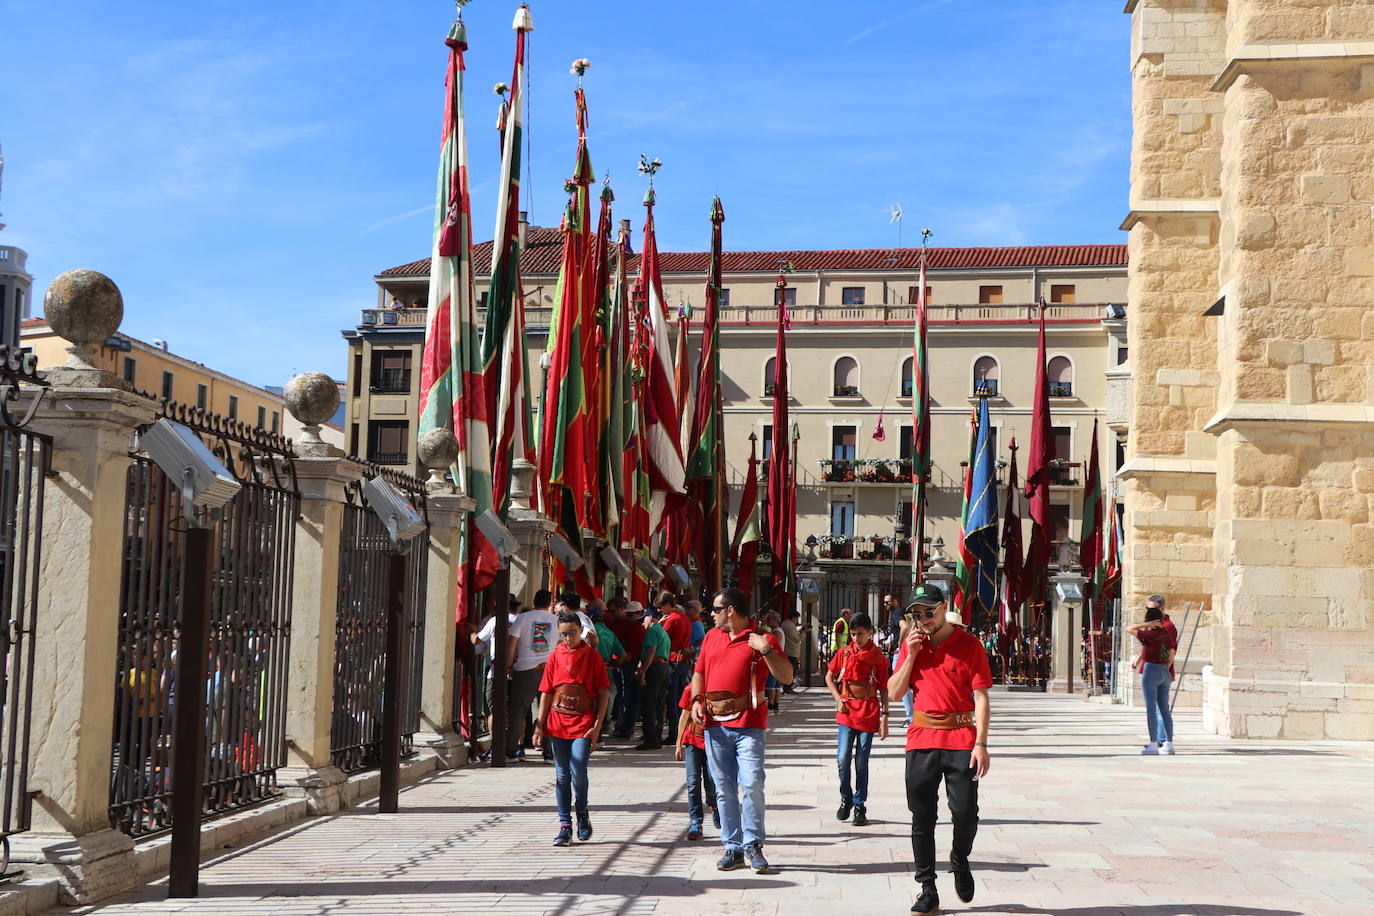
(388, 457)
(866, 470)
(1063, 473)
(1061, 389)
(985, 386)
(837, 470)
(849, 547)
(402, 318)
(391, 381)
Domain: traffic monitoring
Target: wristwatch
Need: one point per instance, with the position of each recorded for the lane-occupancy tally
(768, 651)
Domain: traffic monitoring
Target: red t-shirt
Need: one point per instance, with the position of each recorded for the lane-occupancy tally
(631, 636)
(724, 662)
(866, 666)
(944, 679)
(583, 666)
(1154, 642)
(679, 630)
(690, 735)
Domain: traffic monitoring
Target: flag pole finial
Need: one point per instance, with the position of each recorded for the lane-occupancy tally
(649, 167)
(925, 237)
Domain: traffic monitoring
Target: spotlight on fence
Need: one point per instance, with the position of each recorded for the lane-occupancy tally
(680, 574)
(497, 534)
(564, 552)
(205, 484)
(395, 511)
(650, 571)
(614, 561)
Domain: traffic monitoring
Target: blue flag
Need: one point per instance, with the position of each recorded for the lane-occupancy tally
(981, 535)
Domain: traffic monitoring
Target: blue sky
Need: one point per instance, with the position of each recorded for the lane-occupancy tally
(242, 169)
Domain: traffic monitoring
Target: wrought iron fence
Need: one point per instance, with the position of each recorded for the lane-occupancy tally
(360, 631)
(250, 627)
(25, 462)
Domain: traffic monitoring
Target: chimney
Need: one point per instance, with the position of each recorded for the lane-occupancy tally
(524, 224)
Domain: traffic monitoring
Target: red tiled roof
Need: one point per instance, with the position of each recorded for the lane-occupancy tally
(544, 249)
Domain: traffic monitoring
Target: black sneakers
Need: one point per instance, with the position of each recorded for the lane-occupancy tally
(564, 837)
(733, 859)
(963, 879)
(756, 860)
(843, 813)
(860, 816)
(928, 902)
(584, 828)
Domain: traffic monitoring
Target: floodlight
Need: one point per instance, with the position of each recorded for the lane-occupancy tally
(808, 587)
(402, 521)
(1070, 594)
(205, 482)
(497, 534)
(650, 571)
(614, 561)
(680, 574)
(564, 552)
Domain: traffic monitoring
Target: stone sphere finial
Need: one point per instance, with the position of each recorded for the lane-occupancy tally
(438, 450)
(312, 398)
(85, 308)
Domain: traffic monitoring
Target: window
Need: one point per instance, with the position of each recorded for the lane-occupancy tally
(166, 386)
(233, 407)
(724, 298)
(905, 438)
(1062, 292)
(1060, 371)
(353, 439)
(846, 377)
(842, 442)
(1122, 354)
(989, 295)
(770, 376)
(130, 369)
(908, 365)
(262, 417)
(912, 291)
(391, 371)
(387, 441)
(767, 442)
(357, 376)
(904, 516)
(852, 295)
(985, 371)
(276, 421)
(202, 397)
(789, 296)
(842, 518)
(1063, 449)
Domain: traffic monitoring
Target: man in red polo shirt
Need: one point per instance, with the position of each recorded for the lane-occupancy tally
(630, 631)
(679, 629)
(731, 670)
(947, 739)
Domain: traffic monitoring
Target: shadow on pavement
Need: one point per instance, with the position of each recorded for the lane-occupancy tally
(1130, 909)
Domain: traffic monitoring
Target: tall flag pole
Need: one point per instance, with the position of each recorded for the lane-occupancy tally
(780, 482)
(704, 470)
(1038, 487)
(563, 439)
(635, 524)
(662, 424)
(452, 392)
(679, 526)
(1090, 535)
(981, 535)
(964, 570)
(1012, 571)
(744, 549)
(504, 359)
(920, 418)
(595, 345)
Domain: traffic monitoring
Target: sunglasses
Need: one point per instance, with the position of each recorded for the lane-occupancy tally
(719, 607)
(928, 614)
(567, 634)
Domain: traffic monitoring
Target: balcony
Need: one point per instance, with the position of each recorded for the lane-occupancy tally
(390, 381)
(866, 471)
(836, 547)
(969, 313)
(388, 457)
(400, 318)
(1064, 473)
(837, 470)
(849, 547)
(906, 389)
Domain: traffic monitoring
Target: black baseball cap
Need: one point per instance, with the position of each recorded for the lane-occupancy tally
(926, 595)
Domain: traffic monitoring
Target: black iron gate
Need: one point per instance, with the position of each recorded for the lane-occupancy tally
(25, 462)
(250, 626)
(360, 632)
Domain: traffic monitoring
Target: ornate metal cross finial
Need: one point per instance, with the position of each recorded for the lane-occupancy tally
(648, 167)
(579, 68)
(925, 236)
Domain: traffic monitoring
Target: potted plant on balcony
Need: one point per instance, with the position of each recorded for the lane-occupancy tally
(846, 391)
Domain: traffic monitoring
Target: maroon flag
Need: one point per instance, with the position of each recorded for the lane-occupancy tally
(745, 547)
(1038, 482)
(1012, 570)
(780, 468)
(879, 433)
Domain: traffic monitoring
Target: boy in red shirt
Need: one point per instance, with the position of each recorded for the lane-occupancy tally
(691, 749)
(857, 678)
(947, 739)
(574, 694)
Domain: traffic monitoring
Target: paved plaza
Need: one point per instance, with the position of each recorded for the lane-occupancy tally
(1073, 822)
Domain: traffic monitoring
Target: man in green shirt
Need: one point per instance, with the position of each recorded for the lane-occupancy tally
(653, 679)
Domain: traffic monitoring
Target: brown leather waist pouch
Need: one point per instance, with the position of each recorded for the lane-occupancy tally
(942, 719)
(725, 705)
(858, 690)
(571, 699)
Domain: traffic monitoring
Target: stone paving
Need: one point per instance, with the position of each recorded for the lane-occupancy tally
(1074, 822)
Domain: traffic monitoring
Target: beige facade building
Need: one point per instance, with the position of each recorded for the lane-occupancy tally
(850, 350)
(1249, 482)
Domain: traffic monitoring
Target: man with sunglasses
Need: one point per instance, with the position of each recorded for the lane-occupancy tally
(947, 738)
(731, 670)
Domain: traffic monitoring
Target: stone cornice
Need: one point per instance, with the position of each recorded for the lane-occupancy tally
(1167, 207)
(1291, 52)
(1152, 465)
(1253, 412)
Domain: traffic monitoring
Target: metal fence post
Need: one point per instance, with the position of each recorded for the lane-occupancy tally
(393, 681)
(188, 758)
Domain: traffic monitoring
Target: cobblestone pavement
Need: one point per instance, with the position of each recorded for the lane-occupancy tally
(1074, 822)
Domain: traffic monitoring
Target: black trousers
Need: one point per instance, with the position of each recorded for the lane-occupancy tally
(924, 771)
(651, 697)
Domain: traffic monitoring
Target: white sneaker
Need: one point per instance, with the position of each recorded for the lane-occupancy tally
(1167, 747)
(1150, 750)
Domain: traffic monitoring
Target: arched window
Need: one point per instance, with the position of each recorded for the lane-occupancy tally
(985, 371)
(1060, 371)
(907, 365)
(846, 377)
(770, 376)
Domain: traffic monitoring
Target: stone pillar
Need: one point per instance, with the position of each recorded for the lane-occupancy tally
(530, 528)
(1066, 659)
(314, 612)
(811, 621)
(940, 575)
(445, 511)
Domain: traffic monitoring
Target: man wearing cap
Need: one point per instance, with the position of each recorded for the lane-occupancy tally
(653, 679)
(947, 738)
(732, 667)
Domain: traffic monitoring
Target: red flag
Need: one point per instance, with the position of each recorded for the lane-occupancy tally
(1038, 482)
(879, 433)
(1012, 570)
(745, 547)
(780, 467)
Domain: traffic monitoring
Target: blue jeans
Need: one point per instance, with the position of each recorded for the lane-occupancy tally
(908, 704)
(570, 774)
(737, 765)
(1154, 684)
(854, 745)
(679, 676)
(698, 774)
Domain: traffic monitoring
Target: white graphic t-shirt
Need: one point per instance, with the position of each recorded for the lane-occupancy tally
(537, 632)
